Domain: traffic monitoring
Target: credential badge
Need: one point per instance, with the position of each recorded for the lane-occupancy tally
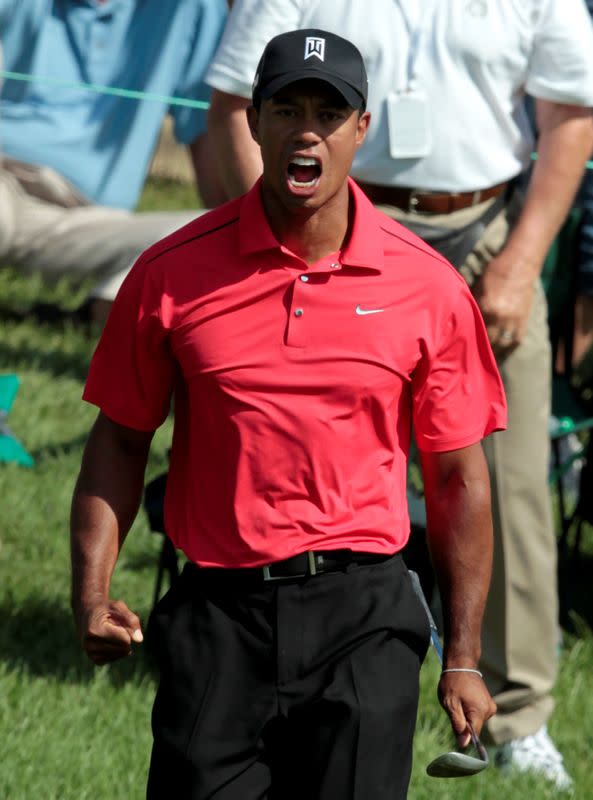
(477, 8)
(314, 46)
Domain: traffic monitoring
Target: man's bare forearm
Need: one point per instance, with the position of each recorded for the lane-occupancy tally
(237, 156)
(460, 542)
(208, 179)
(104, 504)
(565, 143)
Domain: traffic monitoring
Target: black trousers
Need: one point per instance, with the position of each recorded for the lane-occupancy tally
(306, 689)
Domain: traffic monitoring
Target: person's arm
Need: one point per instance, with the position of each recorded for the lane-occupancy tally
(250, 26)
(505, 292)
(459, 530)
(208, 178)
(104, 504)
(236, 155)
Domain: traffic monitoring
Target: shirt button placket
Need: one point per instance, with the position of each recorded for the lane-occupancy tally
(296, 323)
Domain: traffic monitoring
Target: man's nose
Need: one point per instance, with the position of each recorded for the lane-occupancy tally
(307, 134)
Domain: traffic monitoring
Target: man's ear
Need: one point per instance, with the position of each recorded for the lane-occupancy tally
(252, 121)
(362, 127)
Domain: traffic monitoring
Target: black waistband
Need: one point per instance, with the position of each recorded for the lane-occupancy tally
(302, 565)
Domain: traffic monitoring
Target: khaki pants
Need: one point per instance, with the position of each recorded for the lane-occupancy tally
(60, 235)
(520, 631)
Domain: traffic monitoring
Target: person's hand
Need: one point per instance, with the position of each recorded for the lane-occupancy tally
(107, 631)
(465, 698)
(504, 294)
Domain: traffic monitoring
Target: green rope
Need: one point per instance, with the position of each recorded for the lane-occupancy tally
(129, 94)
(589, 164)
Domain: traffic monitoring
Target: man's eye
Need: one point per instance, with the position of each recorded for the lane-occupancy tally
(331, 116)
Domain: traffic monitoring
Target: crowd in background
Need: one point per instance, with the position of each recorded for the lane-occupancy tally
(75, 161)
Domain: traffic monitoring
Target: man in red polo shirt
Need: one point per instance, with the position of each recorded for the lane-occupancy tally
(301, 333)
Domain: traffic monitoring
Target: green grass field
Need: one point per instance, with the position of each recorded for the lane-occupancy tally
(69, 731)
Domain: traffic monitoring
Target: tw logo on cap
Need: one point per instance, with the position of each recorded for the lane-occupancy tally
(314, 46)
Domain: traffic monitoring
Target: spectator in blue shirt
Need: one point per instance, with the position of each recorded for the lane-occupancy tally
(74, 161)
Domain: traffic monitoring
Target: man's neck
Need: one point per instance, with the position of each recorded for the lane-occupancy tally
(311, 235)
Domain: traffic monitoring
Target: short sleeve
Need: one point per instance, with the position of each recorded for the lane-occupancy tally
(561, 63)
(210, 20)
(131, 373)
(458, 397)
(251, 25)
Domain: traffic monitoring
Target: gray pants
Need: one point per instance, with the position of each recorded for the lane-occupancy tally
(46, 227)
(520, 631)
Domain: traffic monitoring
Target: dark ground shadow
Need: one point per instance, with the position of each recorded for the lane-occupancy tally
(38, 638)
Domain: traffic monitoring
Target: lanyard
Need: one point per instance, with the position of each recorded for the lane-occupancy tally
(415, 30)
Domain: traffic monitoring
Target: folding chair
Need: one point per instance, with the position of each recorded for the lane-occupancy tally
(154, 497)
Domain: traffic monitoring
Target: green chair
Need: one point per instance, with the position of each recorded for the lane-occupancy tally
(154, 501)
(10, 447)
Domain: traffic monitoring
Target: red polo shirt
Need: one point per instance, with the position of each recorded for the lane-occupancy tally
(295, 387)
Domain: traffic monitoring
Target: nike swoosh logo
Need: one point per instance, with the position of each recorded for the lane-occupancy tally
(364, 311)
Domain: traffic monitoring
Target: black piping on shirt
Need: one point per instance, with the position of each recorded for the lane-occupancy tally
(193, 239)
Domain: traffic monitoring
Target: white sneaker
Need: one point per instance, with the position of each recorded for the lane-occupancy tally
(535, 753)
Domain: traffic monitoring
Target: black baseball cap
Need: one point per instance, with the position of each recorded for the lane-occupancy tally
(311, 53)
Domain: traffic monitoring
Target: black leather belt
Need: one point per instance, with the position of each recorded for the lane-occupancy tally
(428, 202)
(311, 562)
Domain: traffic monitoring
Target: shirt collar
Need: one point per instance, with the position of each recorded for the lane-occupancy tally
(255, 234)
(363, 249)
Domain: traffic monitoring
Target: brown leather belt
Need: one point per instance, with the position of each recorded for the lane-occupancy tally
(430, 202)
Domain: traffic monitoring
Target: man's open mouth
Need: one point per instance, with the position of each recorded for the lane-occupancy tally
(303, 172)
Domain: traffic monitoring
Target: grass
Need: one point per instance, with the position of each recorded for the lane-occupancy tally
(69, 731)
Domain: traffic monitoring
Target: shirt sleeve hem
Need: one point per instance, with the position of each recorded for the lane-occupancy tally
(116, 415)
(543, 91)
(227, 83)
(440, 445)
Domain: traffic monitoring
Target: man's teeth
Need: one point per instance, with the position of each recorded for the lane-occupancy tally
(304, 161)
(294, 181)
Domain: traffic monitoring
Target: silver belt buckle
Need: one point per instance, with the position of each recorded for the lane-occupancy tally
(268, 577)
(312, 570)
(414, 199)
